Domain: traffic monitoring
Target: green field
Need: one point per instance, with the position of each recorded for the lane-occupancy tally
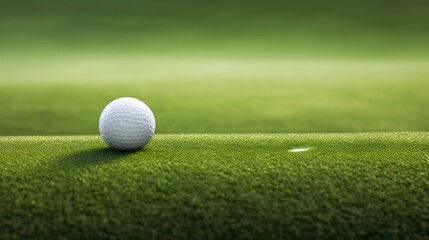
(274, 119)
(205, 186)
(217, 96)
(217, 28)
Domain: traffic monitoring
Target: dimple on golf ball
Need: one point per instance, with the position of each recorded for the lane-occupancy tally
(127, 124)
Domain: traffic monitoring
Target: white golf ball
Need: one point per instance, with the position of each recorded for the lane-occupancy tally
(127, 124)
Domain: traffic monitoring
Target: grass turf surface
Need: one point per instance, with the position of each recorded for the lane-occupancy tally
(204, 186)
(66, 96)
(216, 67)
(292, 28)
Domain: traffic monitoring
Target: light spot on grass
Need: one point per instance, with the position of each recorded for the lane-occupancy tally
(295, 150)
(426, 156)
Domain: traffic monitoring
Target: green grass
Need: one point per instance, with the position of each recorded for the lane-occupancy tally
(210, 67)
(207, 186)
(187, 95)
(216, 66)
(221, 28)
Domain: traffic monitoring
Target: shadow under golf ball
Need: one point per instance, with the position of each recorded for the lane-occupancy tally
(93, 157)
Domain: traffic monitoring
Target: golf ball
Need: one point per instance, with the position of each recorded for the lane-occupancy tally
(127, 124)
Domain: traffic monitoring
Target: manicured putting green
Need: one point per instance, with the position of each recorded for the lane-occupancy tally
(217, 186)
(191, 27)
(51, 97)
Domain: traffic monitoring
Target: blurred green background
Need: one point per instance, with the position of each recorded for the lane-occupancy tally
(223, 28)
(216, 66)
